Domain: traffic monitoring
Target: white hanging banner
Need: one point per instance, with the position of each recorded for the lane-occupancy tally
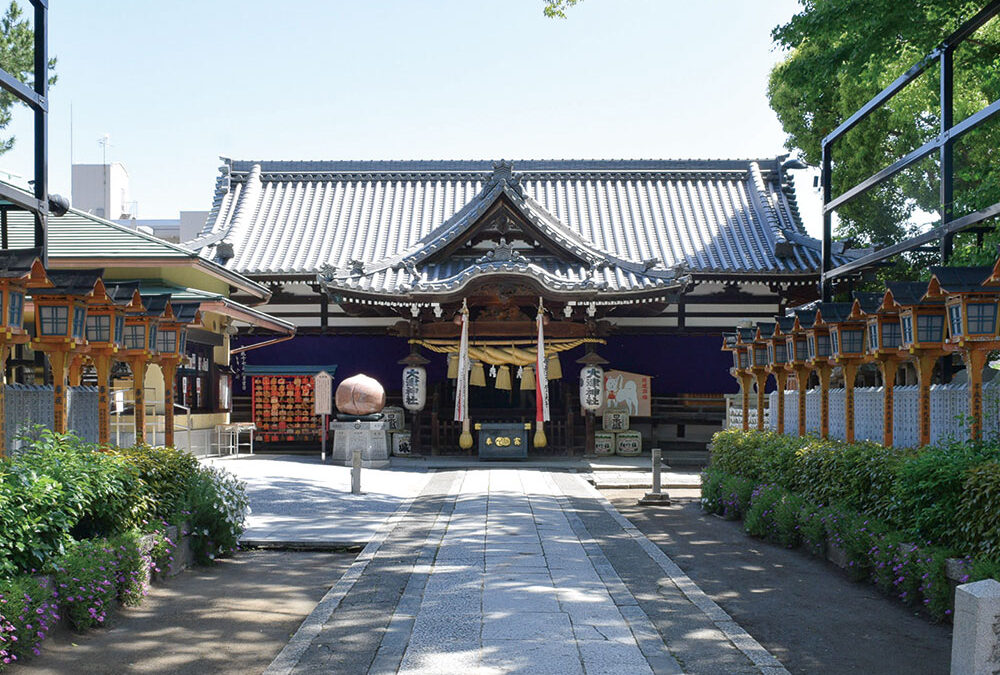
(462, 381)
(541, 373)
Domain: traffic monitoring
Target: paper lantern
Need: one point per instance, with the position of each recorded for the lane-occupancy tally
(591, 387)
(414, 388)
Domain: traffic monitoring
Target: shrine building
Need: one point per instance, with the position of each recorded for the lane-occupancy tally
(639, 263)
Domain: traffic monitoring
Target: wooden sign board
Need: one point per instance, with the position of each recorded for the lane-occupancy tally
(630, 392)
(323, 393)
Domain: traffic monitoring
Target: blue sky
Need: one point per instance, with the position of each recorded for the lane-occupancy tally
(176, 84)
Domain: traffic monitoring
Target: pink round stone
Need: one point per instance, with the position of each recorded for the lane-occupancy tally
(360, 395)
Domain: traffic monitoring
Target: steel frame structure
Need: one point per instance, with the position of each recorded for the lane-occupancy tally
(943, 144)
(37, 98)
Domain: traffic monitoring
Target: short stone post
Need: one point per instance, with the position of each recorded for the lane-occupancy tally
(356, 473)
(656, 497)
(975, 642)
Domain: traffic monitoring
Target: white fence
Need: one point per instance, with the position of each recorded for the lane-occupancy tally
(949, 413)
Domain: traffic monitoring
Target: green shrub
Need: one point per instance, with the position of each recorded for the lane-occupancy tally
(133, 567)
(218, 508)
(857, 536)
(984, 568)
(735, 495)
(758, 520)
(711, 490)
(28, 612)
(812, 527)
(166, 474)
(787, 520)
(935, 588)
(86, 576)
(930, 486)
(101, 490)
(977, 513)
(35, 517)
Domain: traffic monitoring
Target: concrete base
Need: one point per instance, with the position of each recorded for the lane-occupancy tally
(371, 438)
(655, 499)
(975, 643)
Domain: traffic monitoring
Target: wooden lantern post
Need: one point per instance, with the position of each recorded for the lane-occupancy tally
(847, 344)
(922, 323)
(60, 328)
(171, 339)
(797, 353)
(760, 366)
(141, 319)
(744, 336)
(883, 346)
(971, 295)
(105, 336)
(777, 358)
(818, 344)
(20, 270)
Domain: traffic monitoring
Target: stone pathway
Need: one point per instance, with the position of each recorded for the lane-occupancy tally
(516, 571)
(298, 500)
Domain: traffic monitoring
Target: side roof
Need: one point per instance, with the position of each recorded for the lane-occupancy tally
(78, 236)
(709, 217)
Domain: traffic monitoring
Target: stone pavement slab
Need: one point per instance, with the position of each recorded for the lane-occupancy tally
(517, 571)
(296, 499)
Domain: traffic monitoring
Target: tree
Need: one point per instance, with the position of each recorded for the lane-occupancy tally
(843, 52)
(556, 9)
(17, 57)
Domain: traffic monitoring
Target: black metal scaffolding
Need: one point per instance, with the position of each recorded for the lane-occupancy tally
(37, 98)
(943, 144)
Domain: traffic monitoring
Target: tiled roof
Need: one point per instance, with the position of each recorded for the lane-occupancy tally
(643, 217)
(79, 236)
(963, 279)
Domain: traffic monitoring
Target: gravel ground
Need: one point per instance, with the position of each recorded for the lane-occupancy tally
(229, 619)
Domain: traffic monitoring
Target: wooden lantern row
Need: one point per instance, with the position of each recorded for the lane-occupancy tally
(77, 316)
(956, 311)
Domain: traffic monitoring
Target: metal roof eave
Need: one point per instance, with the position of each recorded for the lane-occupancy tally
(246, 314)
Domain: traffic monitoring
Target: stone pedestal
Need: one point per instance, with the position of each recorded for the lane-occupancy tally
(371, 438)
(975, 642)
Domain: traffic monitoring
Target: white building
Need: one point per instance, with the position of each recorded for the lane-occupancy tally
(102, 190)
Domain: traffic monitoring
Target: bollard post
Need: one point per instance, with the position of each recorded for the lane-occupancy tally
(975, 643)
(356, 473)
(656, 497)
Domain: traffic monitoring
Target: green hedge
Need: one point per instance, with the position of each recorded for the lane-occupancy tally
(948, 495)
(896, 514)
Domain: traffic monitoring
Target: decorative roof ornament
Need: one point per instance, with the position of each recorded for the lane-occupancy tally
(502, 252)
(503, 173)
(357, 266)
(649, 263)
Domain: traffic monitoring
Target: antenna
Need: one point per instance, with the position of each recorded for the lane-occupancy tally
(105, 143)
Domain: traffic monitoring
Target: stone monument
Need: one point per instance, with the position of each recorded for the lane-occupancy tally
(360, 424)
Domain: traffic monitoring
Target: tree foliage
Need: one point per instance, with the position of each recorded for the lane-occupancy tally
(556, 9)
(17, 57)
(843, 52)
